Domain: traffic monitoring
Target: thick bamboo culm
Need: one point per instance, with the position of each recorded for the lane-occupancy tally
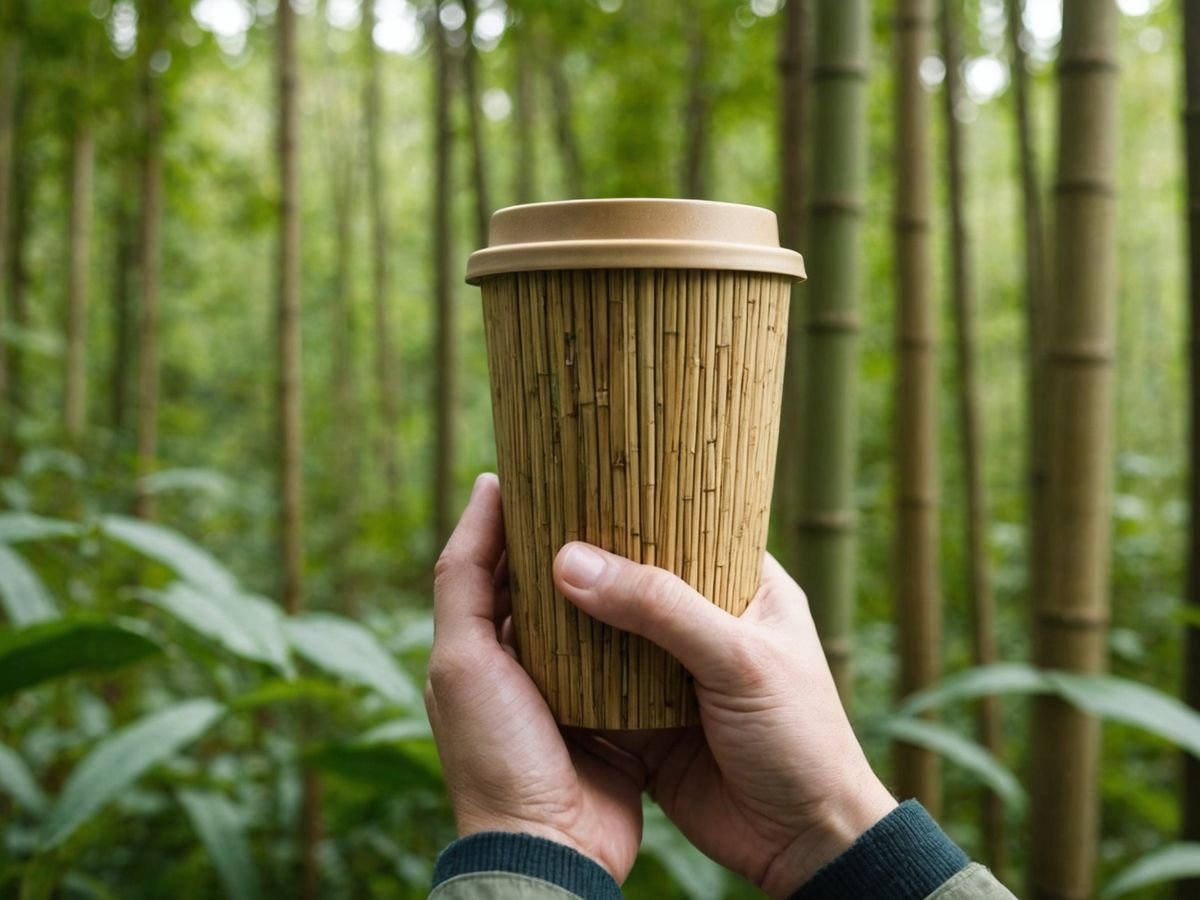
(918, 594)
(636, 409)
(1071, 614)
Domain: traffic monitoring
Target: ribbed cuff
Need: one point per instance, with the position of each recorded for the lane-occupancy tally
(524, 854)
(904, 856)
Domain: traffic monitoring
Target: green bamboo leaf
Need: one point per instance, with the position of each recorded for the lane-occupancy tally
(122, 758)
(348, 650)
(18, 782)
(199, 481)
(243, 624)
(39, 653)
(16, 527)
(1112, 699)
(966, 753)
(398, 730)
(699, 876)
(190, 562)
(401, 766)
(1131, 703)
(297, 690)
(25, 599)
(982, 681)
(222, 829)
(1170, 863)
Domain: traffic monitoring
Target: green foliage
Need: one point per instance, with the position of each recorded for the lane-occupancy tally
(18, 782)
(120, 759)
(1170, 863)
(346, 649)
(247, 626)
(26, 600)
(191, 563)
(959, 750)
(38, 653)
(221, 827)
(1110, 698)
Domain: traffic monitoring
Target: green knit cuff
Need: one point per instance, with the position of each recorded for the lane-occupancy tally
(904, 856)
(524, 854)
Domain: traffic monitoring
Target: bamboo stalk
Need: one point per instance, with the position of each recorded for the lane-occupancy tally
(826, 521)
(1191, 777)
(1070, 623)
(637, 410)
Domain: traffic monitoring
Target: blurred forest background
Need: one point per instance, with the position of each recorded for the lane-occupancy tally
(192, 342)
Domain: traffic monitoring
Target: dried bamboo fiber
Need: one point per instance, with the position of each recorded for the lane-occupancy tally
(636, 409)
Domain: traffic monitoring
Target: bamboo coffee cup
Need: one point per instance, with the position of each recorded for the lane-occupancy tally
(636, 352)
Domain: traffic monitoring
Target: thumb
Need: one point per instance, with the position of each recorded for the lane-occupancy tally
(647, 601)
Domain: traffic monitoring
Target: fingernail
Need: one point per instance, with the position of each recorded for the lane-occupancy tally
(478, 483)
(581, 566)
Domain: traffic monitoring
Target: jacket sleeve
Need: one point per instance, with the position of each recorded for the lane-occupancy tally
(494, 865)
(904, 856)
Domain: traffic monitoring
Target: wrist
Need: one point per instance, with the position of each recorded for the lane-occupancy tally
(841, 822)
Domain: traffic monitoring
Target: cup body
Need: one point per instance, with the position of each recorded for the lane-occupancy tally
(636, 409)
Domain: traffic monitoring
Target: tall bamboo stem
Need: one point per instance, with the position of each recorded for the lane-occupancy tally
(1071, 614)
(826, 518)
(387, 374)
(697, 110)
(970, 422)
(1191, 778)
(793, 198)
(83, 153)
(479, 179)
(150, 247)
(918, 600)
(444, 388)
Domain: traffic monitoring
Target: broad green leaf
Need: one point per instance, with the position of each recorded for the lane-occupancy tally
(200, 481)
(348, 650)
(1112, 699)
(189, 561)
(122, 758)
(1170, 863)
(982, 681)
(965, 753)
(396, 766)
(1131, 703)
(26, 600)
(222, 829)
(18, 782)
(297, 690)
(21, 526)
(38, 653)
(398, 730)
(245, 625)
(699, 876)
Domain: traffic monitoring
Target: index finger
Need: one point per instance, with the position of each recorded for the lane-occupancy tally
(464, 593)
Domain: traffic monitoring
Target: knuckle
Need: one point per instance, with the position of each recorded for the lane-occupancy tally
(748, 658)
(447, 673)
(447, 564)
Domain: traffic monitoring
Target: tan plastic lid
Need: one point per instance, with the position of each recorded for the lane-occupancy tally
(633, 234)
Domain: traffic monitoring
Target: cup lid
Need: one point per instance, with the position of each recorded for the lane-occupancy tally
(633, 234)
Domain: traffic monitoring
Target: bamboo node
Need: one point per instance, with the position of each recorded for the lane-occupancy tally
(831, 69)
(850, 206)
(911, 224)
(827, 522)
(1080, 65)
(845, 322)
(1094, 186)
(1084, 353)
(1080, 619)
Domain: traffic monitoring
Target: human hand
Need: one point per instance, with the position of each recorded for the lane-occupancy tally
(773, 784)
(507, 765)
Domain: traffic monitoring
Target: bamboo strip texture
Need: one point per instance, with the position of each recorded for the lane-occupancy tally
(637, 410)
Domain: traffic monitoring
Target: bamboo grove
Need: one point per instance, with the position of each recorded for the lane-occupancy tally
(240, 374)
